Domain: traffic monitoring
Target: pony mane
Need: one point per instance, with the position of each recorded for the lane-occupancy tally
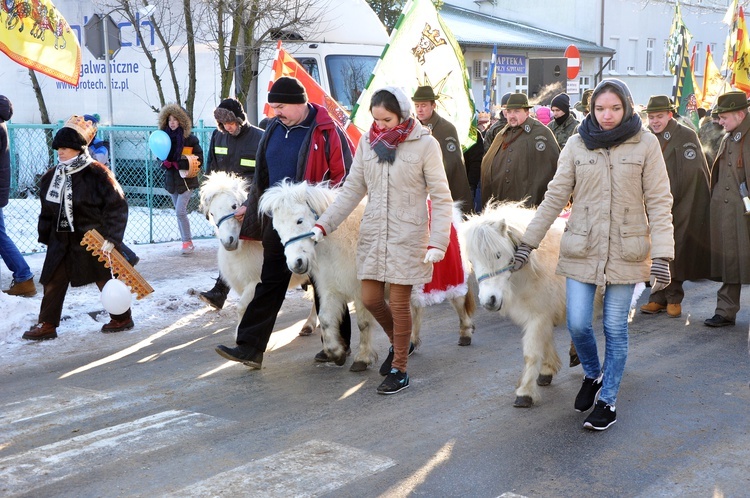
(220, 182)
(318, 197)
(498, 228)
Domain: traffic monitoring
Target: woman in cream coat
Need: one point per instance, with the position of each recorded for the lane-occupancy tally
(619, 233)
(397, 164)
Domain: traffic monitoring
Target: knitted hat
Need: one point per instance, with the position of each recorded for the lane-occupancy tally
(286, 90)
(230, 111)
(562, 102)
(75, 134)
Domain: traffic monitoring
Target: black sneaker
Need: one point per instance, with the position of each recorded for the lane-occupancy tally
(394, 382)
(601, 418)
(242, 354)
(718, 321)
(385, 368)
(588, 393)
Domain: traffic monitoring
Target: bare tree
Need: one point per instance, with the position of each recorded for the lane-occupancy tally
(173, 26)
(238, 29)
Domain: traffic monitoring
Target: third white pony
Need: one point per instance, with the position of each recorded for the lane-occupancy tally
(533, 297)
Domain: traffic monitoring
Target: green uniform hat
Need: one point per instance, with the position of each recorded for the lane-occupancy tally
(424, 94)
(731, 101)
(659, 103)
(518, 101)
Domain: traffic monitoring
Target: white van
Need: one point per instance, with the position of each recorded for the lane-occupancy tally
(339, 52)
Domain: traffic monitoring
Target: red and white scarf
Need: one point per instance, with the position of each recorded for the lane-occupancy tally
(384, 142)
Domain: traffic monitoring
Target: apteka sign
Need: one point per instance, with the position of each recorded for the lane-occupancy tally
(511, 64)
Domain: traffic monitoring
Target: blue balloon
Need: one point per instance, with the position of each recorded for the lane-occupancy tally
(160, 144)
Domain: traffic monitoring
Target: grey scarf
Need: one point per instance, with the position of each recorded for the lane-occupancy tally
(61, 188)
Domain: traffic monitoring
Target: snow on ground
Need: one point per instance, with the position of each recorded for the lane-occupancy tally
(176, 279)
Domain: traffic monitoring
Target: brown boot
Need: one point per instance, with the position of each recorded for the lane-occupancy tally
(653, 308)
(118, 323)
(41, 332)
(23, 289)
(674, 310)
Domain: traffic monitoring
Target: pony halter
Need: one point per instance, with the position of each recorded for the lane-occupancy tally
(223, 219)
(305, 235)
(495, 273)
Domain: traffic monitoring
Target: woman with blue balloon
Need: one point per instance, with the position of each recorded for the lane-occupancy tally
(182, 156)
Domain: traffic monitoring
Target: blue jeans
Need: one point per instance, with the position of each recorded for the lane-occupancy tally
(183, 223)
(580, 310)
(12, 256)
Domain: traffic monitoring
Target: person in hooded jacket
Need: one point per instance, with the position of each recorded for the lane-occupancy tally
(397, 164)
(174, 120)
(620, 219)
(23, 280)
(77, 195)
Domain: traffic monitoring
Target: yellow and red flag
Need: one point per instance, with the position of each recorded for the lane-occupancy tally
(286, 65)
(741, 60)
(713, 82)
(34, 34)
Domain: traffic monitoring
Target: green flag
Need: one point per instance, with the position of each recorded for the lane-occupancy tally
(423, 51)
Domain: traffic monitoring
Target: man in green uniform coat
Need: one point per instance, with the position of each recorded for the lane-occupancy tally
(730, 233)
(688, 181)
(522, 159)
(445, 133)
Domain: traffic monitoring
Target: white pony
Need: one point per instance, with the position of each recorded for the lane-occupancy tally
(533, 297)
(240, 261)
(294, 209)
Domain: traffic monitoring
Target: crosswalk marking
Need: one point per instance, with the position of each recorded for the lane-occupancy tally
(53, 462)
(310, 469)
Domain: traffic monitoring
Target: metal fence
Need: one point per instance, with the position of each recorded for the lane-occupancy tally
(151, 212)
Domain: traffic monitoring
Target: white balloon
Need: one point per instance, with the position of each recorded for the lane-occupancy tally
(116, 297)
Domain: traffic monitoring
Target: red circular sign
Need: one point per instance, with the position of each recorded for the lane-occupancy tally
(574, 61)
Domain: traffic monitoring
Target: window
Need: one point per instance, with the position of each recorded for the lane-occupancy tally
(311, 66)
(522, 84)
(650, 54)
(696, 61)
(665, 63)
(584, 83)
(348, 75)
(632, 56)
(615, 42)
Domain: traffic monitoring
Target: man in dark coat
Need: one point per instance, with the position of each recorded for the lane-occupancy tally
(522, 159)
(688, 181)
(445, 133)
(494, 129)
(232, 149)
(77, 195)
(710, 134)
(730, 229)
(565, 124)
(301, 143)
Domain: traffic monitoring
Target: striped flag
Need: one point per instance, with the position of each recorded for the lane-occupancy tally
(423, 51)
(489, 93)
(678, 57)
(741, 60)
(286, 65)
(44, 43)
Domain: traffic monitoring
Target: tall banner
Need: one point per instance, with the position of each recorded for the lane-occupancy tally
(35, 35)
(423, 51)
(489, 94)
(285, 65)
(713, 82)
(741, 61)
(678, 58)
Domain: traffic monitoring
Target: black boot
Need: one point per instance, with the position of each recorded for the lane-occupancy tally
(216, 296)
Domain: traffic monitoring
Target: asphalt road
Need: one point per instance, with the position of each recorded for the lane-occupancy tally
(158, 412)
